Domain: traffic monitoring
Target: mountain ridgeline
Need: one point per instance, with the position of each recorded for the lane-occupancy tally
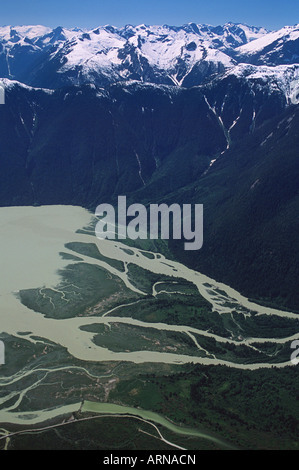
(192, 114)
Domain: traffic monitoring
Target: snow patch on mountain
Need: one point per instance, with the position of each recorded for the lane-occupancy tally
(92, 50)
(284, 78)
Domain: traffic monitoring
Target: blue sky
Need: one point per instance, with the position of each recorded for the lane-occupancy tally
(272, 14)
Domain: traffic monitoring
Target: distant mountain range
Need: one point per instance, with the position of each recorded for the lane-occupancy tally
(184, 56)
(184, 114)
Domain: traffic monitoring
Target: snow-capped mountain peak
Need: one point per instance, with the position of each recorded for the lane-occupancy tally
(287, 33)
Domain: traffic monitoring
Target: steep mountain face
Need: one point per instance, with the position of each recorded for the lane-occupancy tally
(251, 197)
(115, 111)
(83, 145)
(184, 55)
